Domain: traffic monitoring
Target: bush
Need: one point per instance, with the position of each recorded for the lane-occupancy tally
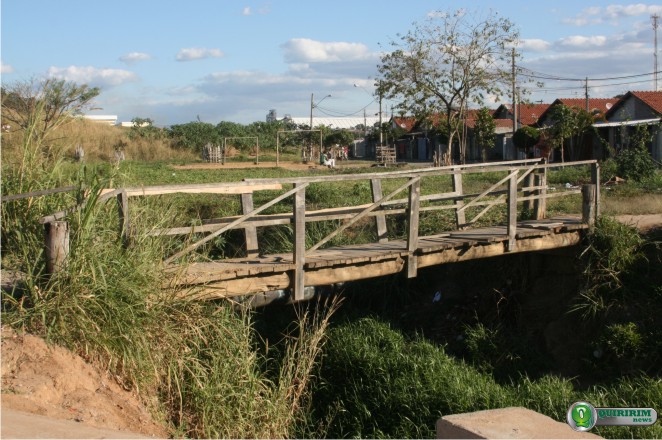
(634, 162)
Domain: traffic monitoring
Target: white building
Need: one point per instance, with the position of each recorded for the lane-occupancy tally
(102, 119)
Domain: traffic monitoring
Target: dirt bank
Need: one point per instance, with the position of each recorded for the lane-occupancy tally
(51, 381)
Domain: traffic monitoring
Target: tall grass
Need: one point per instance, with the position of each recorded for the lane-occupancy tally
(195, 364)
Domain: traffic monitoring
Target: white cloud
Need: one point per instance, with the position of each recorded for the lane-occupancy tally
(304, 50)
(581, 41)
(93, 76)
(534, 44)
(198, 53)
(6, 68)
(246, 11)
(134, 57)
(611, 13)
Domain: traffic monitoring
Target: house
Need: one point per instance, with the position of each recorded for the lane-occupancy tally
(528, 115)
(586, 145)
(633, 109)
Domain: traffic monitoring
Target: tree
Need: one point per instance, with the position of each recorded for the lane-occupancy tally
(525, 138)
(484, 131)
(568, 123)
(446, 62)
(38, 106)
(194, 135)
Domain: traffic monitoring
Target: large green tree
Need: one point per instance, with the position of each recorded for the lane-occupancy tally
(447, 61)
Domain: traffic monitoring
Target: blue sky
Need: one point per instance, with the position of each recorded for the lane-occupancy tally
(226, 60)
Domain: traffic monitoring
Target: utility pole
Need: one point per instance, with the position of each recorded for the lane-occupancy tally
(655, 17)
(586, 94)
(514, 79)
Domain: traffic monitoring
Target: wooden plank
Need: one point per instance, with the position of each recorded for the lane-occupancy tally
(412, 226)
(200, 188)
(460, 216)
(250, 231)
(380, 218)
(512, 212)
(40, 193)
(588, 205)
(540, 204)
(299, 208)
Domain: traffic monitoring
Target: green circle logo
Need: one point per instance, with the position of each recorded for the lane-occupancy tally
(582, 416)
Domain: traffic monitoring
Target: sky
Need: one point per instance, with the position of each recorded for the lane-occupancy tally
(225, 60)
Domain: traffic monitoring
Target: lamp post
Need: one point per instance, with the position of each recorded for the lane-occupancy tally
(312, 106)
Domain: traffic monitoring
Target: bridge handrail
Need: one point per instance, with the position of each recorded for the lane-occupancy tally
(533, 172)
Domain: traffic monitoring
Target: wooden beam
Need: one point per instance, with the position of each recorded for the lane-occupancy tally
(250, 231)
(380, 218)
(512, 211)
(299, 207)
(589, 205)
(412, 226)
(43, 192)
(460, 216)
(199, 188)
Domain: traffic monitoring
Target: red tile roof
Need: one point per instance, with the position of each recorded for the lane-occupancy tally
(600, 104)
(652, 99)
(529, 114)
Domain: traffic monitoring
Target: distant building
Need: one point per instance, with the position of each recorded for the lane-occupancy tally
(102, 119)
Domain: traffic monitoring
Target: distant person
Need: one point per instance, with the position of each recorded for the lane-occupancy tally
(326, 160)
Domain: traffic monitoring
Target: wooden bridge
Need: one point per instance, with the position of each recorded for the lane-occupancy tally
(522, 187)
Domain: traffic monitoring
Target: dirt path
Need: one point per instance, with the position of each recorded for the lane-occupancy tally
(644, 223)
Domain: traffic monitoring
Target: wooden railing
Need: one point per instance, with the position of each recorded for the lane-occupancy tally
(525, 181)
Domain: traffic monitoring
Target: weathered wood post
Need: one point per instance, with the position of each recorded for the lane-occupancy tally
(540, 205)
(595, 180)
(380, 219)
(529, 181)
(460, 216)
(412, 226)
(299, 255)
(125, 222)
(56, 234)
(589, 207)
(250, 232)
(512, 210)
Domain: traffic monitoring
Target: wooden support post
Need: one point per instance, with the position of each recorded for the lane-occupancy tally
(512, 212)
(380, 219)
(589, 208)
(460, 216)
(125, 221)
(250, 232)
(529, 181)
(299, 255)
(412, 226)
(595, 180)
(540, 205)
(56, 245)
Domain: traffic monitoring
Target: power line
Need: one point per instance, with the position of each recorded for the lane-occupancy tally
(541, 75)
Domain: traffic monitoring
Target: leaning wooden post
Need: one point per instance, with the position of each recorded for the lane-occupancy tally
(299, 255)
(56, 236)
(589, 207)
(250, 232)
(412, 226)
(460, 216)
(512, 211)
(125, 223)
(380, 219)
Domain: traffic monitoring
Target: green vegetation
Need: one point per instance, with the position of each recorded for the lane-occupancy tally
(210, 370)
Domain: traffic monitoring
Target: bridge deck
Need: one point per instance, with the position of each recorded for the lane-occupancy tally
(241, 276)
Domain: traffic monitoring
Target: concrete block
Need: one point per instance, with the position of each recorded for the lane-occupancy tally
(514, 422)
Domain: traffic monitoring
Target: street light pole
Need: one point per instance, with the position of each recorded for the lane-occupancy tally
(312, 106)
